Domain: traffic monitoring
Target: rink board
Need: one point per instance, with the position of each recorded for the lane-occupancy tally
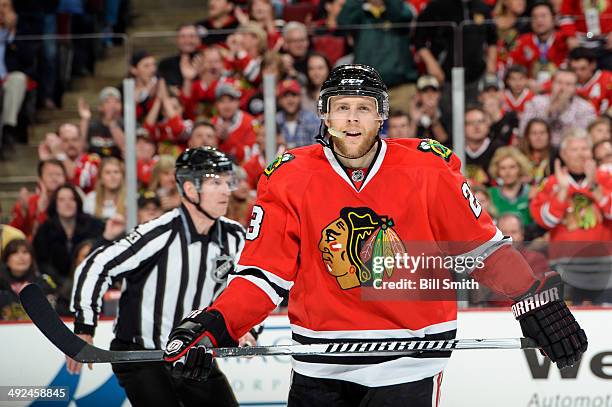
(487, 378)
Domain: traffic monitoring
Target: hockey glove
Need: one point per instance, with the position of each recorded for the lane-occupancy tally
(545, 318)
(189, 343)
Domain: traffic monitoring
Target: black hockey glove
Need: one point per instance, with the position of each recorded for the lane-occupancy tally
(545, 318)
(189, 343)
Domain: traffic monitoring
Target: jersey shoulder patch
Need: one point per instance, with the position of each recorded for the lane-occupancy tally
(276, 164)
(435, 147)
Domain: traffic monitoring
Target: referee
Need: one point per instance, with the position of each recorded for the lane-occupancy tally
(170, 265)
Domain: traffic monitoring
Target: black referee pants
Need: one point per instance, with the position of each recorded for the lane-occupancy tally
(313, 392)
(151, 384)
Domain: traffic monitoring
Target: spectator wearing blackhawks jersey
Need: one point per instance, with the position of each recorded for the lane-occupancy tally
(544, 49)
(575, 206)
(201, 77)
(169, 265)
(172, 132)
(595, 85)
(562, 109)
(588, 23)
(323, 212)
(235, 126)
(30, 210)
(516, 93)
(68, 146)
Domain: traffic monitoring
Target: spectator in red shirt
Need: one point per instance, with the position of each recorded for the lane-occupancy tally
(254, 166)
(595, 85)
(235, 127)
(69, 147)
(246, 50)
(146, 157)
(172, 132)
(30, 211)
(596, 34)
(261, 12)
(517, 93)
(200, 79)
(203, 134)
(143, 68)
(543, 50)
(508, 20)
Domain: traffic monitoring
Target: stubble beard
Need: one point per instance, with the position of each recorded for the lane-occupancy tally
(352, 151)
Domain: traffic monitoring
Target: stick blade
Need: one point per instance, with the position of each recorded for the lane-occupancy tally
(48, 322)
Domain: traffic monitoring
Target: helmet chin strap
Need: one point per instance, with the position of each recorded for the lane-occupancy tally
(199, 208)
(321, 139)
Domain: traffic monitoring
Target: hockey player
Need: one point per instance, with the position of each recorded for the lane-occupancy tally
(321, 214)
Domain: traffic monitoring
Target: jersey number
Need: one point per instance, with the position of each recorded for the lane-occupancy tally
(255, 223)
(474, 204)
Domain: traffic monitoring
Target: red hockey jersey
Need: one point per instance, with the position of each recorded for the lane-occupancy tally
(517, 104)
(316, 235)
(598, 90)
(533, 55)
(573, 20)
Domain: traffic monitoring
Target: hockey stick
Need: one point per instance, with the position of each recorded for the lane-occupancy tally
(49, 323)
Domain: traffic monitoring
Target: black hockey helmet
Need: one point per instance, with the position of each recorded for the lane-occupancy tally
(202, 162)
(354, 80)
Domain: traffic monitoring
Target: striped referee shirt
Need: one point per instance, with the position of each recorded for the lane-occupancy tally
(168, 269)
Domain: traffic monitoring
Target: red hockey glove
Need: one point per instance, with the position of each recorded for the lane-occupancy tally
(545, 318)
(189, 343)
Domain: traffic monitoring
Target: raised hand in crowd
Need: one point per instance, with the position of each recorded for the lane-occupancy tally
(190, 69)
(51, 147)
(563, 180)
(23, 199)
(559, 102)
(241, 16)
(84, 109)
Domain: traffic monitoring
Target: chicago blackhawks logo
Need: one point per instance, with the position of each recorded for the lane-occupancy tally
(350, 243)
(434, 146)
(280, 160)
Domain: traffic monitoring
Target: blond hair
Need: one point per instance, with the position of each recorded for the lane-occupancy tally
(100, 189)
(164, 164)
(510, 152)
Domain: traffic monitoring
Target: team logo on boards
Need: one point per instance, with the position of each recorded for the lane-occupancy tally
(349, 243)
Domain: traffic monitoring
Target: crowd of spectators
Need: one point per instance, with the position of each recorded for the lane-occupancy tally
(38, 62)
(538, 148)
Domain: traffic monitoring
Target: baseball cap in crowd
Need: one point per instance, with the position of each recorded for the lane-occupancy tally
(427, 82)
(108, 92)
(138, 56)
(288, 86)
(488, 82)
(148, 197)
(227, 89)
